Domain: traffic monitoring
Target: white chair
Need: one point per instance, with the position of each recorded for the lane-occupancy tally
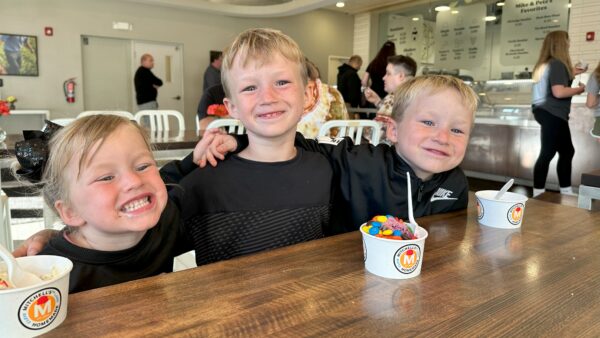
(107, 112)
(230, 126)
(353, 129)
(5, 232)
(63, 122)
(159, 119)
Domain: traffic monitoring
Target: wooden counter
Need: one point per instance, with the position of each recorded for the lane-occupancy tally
(541, 280)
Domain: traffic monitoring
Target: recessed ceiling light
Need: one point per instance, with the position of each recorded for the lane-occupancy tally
(500, 3)
(490, 18)
(415, 19)
(340, 4)
(442, 8)
(454, 11)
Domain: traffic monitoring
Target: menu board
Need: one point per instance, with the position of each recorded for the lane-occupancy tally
(407, 34)
(525, 23)
(460, 37)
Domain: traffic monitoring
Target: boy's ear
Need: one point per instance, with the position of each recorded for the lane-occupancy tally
(391, 132)
(231, 108)
(67, 214)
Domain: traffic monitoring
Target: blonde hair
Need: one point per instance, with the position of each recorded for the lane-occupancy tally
(555, 46)
(76, 141)
(414, 87)
(259, 45)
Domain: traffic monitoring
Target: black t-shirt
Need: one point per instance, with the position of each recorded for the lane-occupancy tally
(144, 81)
(153, 255)
(243, 206)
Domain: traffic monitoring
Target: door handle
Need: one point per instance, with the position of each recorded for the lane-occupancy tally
(178, 97)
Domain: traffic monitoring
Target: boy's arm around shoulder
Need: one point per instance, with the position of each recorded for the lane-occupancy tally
(174, 171)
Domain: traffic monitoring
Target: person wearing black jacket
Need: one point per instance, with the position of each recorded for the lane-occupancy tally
(146, 84)
(348, 81)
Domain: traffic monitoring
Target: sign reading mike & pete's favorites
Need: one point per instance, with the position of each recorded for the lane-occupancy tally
(525, 23)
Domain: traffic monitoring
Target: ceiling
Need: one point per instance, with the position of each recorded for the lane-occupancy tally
(275, 8)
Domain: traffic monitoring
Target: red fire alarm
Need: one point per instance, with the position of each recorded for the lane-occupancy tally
(589, 36)
(48, 31)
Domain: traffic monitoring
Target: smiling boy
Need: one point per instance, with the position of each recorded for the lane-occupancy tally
(271, 194)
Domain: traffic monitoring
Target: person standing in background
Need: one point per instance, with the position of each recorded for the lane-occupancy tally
(551, 105)
(212, 74)
(376, 69)
(593, 94)
(146, 84)
(348, 81)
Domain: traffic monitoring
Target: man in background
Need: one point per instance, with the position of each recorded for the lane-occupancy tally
(212, 74)
(146, 84)
(348, 81)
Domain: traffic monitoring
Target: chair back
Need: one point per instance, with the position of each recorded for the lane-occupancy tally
(63, 122)
(230, 126)
(353, 129)
(159, 119)
(107, 112)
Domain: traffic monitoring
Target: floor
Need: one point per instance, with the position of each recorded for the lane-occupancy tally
(27, 212)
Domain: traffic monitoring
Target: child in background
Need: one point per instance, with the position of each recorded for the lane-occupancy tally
(430, 127)
(593, 94)
(101, 179)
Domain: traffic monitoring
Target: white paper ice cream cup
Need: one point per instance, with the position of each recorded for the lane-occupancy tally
(396, 259)
(505, 213)
(36, 309)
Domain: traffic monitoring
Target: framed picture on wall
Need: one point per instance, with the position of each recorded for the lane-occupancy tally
(18, 55)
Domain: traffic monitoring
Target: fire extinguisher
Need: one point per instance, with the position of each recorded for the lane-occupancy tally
(69, 89)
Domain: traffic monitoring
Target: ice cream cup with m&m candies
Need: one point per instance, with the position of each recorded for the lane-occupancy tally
(506, 212)
(391, 249)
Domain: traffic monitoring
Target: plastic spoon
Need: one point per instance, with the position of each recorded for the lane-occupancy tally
(17, 277)
(505, 188)
(411, 217)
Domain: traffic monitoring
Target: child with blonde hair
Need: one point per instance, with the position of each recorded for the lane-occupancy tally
(101, 179)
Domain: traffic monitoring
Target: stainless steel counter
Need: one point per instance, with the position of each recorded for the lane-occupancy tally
(507, 145)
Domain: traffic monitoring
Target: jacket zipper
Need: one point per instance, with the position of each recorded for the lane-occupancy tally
(420, 192)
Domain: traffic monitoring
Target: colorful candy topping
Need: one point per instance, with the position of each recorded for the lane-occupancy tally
(389, 227)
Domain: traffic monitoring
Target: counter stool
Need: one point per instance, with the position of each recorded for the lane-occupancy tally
(589, 189)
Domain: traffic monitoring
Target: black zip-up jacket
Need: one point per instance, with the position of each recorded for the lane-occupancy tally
(371, 180)
(348, 83)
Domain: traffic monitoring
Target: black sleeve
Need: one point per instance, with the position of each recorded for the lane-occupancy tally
(155, 80)
(559, 74)
(174, 171)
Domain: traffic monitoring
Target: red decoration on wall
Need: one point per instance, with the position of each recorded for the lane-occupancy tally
(48, 31)
(589, 36)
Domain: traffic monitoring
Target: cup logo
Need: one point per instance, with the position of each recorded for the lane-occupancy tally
(40, 308)
(480, 210)
(407, 258)
(515, 213)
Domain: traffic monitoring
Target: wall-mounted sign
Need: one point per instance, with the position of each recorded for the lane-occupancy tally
(407, 34)
(525, 23)
(460, 37)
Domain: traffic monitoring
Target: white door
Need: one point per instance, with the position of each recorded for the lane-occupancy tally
(107, 77)
(167, 67)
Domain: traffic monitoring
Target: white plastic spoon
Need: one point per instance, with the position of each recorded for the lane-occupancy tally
(17, 277)
(504, 188)
(411, 217)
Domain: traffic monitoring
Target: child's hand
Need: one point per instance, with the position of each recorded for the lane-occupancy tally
(214, 145)
(34, 244)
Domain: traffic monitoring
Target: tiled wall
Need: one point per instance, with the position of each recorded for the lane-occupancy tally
(362, 27)
(585, 17)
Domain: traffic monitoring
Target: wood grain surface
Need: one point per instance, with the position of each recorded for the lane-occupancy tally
(540, 280)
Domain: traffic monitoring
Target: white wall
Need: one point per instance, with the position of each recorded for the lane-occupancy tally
(585, 16)
(319, 33)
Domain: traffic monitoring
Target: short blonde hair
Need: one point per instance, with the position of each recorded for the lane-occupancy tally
(259, 44)
(73, 142)
(408, 91)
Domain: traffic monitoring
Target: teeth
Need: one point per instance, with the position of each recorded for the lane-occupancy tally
(129, 207)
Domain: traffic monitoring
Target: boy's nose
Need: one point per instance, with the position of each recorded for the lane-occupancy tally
(442, 135)
(268, 95)
(131, 180)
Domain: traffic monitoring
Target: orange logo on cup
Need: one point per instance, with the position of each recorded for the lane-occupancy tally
(40, 309)
(479, 209)
(407, 258)
(515, 213)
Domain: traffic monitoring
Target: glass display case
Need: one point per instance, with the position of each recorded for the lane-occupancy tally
(507, 100)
